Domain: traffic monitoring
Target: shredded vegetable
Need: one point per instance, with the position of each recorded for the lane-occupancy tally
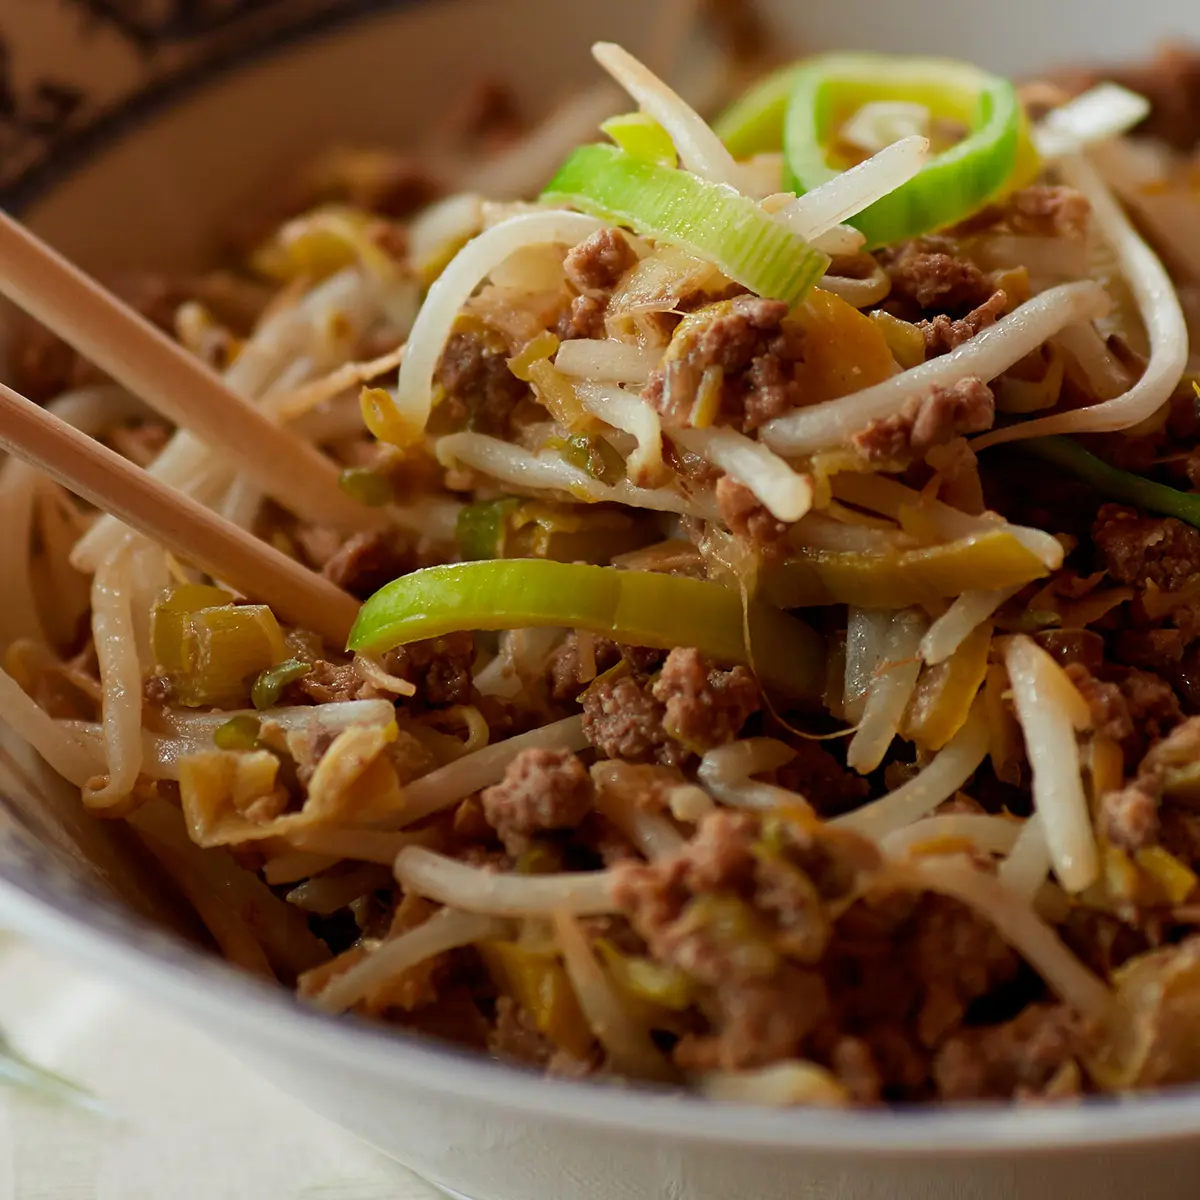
(957, 181)
(1113, 483)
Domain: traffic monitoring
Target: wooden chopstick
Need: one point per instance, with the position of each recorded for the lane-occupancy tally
(173, 382)
(183, 525)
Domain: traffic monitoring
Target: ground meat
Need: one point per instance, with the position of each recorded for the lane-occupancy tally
(747, 340)
(439, 667)
(1130, 706)
(1068, 646)
(914, 962)
(926, 272)
(159, 691)
(687, 908)
(514, 1036)
(1048, 211)
(1153, 706)
(1129, 818)
(328, 683)
(946, 413)
(1020, 1058)
(1110, 712)
(722, 908)
(1136, 816)
(541, 790)
(824, 782)
(366, 561)
(1141, 550)
(857, 1071)
(758, 1022)
(596, 265)
(621, 719)
(1180, 747)
(1180, 833)
(790, 896)
(583, 318)
(481, 389)
(705, 707)
(1154, 649)
(564, 669)
(720, 855)
(770, 391)
(943, 334)
(1042, 210)
(958, 957)
(749, 520)
(903, 1064)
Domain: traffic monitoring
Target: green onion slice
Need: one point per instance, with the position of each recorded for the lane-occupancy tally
(707, 219)
(829, 89)
(754, 124)
(271, 682)
(642, 137)
(1112, 482)
(640, 608)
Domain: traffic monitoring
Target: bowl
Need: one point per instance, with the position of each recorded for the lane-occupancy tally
(133, 132)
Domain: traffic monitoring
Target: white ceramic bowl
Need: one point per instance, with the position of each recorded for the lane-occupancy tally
(127, 145)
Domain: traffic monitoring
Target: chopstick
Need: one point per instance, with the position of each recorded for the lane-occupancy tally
(181, 524)
(174, 383)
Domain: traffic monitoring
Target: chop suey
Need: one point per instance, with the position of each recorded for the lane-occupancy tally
(778, 671)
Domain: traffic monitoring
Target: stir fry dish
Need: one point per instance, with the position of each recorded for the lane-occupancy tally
(777, 673)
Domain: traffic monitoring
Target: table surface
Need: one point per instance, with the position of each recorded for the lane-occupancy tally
(189, 1122)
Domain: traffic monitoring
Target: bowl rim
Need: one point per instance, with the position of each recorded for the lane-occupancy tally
(217, 995)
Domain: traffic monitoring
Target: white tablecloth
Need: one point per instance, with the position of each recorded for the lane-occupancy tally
(192, 1124)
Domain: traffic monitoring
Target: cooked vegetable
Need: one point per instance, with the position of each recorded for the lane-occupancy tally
(270, 684)
(781, 1085)
(952, 767)
(213, 654)
(754, 123)
(515, 528)
(318, 245)
(644, 980)
(641, 608)
(828, 89)
(899, 578)
(482, 529)
(1050, 709)
(367, 486)
(238, 733)
(1111, 482)
(682, 210)
(641, 136)
(170, 629)
(946, 691)
(537, 981)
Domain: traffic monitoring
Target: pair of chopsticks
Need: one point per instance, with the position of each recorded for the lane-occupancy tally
(182, 389)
